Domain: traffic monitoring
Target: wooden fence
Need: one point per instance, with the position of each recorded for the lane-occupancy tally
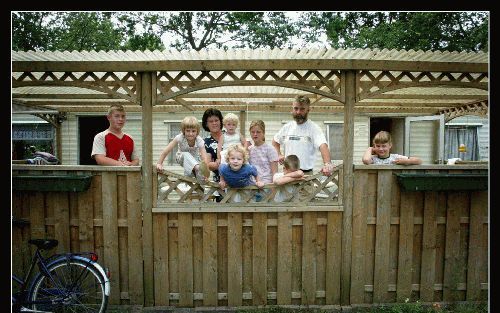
(106, 219)
(428, 245)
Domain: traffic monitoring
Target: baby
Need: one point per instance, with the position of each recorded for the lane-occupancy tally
(230, 136)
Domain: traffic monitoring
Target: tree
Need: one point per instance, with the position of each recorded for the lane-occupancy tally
(29, 31)
(202, 30)
(64, 31)
(445, 31)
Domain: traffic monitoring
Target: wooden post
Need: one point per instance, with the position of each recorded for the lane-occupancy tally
(349, 87)
(243, 123)
(58, 142)
(147, 89)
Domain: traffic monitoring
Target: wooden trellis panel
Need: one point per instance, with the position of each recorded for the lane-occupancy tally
(173, 84)
(174, 189)
(124, 87)
(371, 83)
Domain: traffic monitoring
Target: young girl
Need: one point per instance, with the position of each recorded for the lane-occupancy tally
(261, 154)
(236, 172)
(191, 152)
(230, 136)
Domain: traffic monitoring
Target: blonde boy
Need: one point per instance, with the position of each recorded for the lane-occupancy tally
(113, 146)
(237, 173)
(379, 153)
(291, 172)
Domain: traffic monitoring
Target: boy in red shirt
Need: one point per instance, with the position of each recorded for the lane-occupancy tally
(112, 146)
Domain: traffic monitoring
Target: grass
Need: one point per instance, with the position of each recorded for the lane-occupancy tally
(407, 307)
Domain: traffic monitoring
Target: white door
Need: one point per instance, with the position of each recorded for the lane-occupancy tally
(424, 138)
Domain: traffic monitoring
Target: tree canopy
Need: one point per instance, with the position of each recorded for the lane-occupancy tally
(445, 31)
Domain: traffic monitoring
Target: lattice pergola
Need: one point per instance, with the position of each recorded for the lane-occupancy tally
(406, 82)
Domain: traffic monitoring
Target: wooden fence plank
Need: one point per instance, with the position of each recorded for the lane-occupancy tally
(185, 259)
(477, 258)
(210, 259)
(234, 259)
(37, 215)
(381, 275)
(259, 264)
(86, 220)
(309, 258)
(333, 258)
(135, 257)
(284, 262)
(160, 256)
(110, 232)
(60, 205)
(428, 270)
(451, 277)
(197, 258)
(359, 228)
(403, 291)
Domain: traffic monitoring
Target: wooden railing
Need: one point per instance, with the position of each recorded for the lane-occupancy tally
(315, 189)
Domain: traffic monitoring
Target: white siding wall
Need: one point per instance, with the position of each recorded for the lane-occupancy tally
(272, 120)
(273, 123)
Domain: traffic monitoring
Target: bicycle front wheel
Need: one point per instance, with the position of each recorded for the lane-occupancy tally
(72, 286)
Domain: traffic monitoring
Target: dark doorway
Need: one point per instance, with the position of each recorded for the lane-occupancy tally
(393, 125)
(89, 126)
(378, 124)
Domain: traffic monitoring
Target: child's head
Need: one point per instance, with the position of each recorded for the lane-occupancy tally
(190, 122)
(116, 117)
(116, 108)
(236, 156)
(230, 122)
(382, 143)
(291, 163)
(257, 130)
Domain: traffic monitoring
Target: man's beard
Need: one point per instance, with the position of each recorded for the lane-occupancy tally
(299, 118)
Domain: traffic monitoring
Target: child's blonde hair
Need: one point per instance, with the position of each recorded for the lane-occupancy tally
(116, 107)
(237, 148)
(382, 137)
(291, 162)
(190, 122)
(231, 117)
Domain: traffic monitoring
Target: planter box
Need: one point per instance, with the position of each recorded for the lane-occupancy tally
(438, 182)
(51, 182)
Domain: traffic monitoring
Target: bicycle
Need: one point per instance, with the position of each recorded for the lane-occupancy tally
(68, 282)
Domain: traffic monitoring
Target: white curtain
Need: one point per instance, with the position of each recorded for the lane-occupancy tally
(456, 135)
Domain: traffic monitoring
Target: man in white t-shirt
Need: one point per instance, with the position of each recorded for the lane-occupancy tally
(303, 137)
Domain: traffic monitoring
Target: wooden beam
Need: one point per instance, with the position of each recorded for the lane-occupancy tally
(245, 64)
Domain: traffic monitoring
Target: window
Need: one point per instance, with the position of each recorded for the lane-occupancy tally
(335, 140)
(461, 134)
(39, 136)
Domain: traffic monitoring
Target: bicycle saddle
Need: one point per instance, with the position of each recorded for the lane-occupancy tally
(44, 244)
